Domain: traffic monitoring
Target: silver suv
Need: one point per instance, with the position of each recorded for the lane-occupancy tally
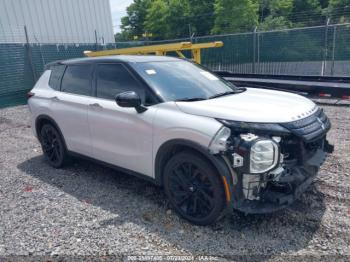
(208, 143)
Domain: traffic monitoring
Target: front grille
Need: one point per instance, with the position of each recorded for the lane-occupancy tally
(310, 128)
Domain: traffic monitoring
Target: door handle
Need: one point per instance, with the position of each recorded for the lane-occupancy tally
(55, 98)
(97, 105)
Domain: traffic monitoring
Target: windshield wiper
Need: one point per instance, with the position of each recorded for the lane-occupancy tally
(237, 91)
(187, 99)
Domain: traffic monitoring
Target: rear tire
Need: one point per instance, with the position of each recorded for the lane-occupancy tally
(53, 146)
(194, 188)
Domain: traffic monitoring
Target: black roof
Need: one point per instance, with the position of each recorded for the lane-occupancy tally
(115, 58)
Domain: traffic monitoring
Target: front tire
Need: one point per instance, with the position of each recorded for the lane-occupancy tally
(194, 188)
(53, 146)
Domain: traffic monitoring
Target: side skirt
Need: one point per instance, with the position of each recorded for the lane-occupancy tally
(114, 167)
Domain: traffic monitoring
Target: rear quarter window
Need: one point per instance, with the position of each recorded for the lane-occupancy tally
(56, 76)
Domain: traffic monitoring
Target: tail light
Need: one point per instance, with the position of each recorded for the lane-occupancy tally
(324, 95)
(30, 94)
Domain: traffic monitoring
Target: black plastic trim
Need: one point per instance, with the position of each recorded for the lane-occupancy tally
(310, 128)
(53, 122)
(256, 128)
(216, 160)
(117, 168)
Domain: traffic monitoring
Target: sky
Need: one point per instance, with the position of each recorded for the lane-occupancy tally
(118, 8)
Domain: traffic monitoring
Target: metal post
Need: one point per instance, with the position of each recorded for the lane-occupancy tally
(3, 33)
(333, 49)
(254, 43)
(29, 53)
(325, 51)
(258, 52)
(190, 32)
(96, 40)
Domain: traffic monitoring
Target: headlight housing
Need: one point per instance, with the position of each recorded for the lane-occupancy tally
(219, 142)
(264, 156)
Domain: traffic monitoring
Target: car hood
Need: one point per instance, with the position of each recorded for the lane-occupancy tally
(254, 105)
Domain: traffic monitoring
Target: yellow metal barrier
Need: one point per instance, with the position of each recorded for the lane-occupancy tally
(160, 50)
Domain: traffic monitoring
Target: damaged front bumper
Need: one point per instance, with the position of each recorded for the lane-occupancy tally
(272, 201)
(279, 188)
(272, 164)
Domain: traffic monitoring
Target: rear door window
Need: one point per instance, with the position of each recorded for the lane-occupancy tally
(77, 79)
(56, 76)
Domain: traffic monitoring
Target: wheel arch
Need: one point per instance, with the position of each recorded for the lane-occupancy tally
(45, 119)
(169, 148)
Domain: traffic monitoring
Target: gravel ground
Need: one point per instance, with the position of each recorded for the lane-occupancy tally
(86, 209)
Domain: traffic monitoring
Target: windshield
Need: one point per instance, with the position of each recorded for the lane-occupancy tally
(182, 80)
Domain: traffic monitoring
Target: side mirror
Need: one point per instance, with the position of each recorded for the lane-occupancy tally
(130, 99)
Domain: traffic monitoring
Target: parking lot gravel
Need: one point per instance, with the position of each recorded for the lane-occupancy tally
(89, 210)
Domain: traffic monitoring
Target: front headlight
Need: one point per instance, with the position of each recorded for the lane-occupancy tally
(263, 156)
(219, 142)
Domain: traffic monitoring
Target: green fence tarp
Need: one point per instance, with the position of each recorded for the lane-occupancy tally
(307, 51)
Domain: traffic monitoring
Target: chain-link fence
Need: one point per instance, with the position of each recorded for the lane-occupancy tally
(22, 64)
(321, 50)
(23, 57)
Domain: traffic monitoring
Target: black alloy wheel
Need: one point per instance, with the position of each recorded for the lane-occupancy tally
(52, 146)
(194, 188)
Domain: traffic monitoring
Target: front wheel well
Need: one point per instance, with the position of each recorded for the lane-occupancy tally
(169, 149)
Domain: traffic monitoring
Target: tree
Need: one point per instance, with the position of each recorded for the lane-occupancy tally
(235, 16)
(338, 11)
(275, 23)
(339, 4)
(307, 13)
(177, 19)
(280, 7)
(133, 24)
(121, 36)
(156, 19)
(167, 19)
(201, 16)
(274, 14)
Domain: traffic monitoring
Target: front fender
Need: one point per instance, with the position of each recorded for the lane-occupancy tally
(217, 161)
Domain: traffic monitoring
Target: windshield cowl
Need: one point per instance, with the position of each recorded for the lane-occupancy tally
(236, 91)
(186, 99)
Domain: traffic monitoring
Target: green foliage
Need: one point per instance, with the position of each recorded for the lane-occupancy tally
(308, 11)
(119, 37)
(339, 3)
(280, 7)
(235, 15)
(340, 7)
(133, 23)
(156, 19)
(164, 19)
(275, 23)
(167, 19)
(275, 14)
(177, 19)
(201, 16)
